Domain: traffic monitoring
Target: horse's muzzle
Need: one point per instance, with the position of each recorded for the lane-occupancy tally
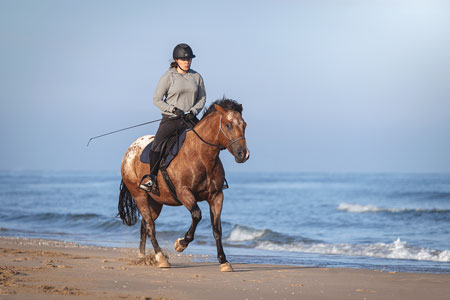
(242, 155)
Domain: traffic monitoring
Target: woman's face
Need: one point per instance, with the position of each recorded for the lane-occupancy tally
(184, 63)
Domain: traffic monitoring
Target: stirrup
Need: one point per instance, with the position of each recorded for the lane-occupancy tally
(150, 185)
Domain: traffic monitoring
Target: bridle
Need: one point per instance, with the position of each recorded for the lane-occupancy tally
(217, 136)
(225, 135)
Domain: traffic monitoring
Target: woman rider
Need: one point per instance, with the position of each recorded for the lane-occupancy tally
(180, 93)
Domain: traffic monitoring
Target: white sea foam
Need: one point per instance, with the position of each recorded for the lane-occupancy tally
(395, 250)
(358, 208)
(242, 234)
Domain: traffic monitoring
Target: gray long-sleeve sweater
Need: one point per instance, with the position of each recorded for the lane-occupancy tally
(184, 91)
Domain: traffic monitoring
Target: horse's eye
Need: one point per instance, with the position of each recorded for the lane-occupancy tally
(228, 125)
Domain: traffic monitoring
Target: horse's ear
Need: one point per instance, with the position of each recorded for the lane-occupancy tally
(219, 108)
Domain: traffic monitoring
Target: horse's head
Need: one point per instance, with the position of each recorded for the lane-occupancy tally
(231, 132)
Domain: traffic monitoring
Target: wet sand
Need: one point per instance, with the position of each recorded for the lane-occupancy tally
(43, 269)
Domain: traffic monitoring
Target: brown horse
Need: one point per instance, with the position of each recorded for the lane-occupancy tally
(196, 172)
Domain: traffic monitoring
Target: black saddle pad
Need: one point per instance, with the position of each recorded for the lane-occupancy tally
(171, 147)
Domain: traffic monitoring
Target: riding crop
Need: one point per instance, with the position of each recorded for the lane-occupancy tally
(92, 138)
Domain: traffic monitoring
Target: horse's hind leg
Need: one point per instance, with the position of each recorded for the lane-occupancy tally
(150, 211)
(143, 239)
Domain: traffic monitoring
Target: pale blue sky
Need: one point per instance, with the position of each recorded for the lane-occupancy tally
(328, 85)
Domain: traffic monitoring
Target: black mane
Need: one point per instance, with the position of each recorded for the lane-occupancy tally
(225, 103)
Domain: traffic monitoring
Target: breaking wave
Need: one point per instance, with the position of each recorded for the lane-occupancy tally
(272, 241)
(243, 236)
(395, 250)
(243, 233)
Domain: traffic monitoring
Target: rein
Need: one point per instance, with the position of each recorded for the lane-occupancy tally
(220, 129)
(208, 143)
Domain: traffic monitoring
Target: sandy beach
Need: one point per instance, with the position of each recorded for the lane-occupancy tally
(43, 269)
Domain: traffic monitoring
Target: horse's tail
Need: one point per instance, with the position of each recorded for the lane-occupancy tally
(128, 211)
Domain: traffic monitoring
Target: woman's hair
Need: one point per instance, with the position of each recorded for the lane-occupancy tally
(173, 64)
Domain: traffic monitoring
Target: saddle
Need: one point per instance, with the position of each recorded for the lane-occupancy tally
(169, 149)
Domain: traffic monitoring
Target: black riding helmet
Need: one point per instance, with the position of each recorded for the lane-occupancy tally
(182, 51)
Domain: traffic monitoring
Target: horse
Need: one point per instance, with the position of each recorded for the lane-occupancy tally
(197, 174)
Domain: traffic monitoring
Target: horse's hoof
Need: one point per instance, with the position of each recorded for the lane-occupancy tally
(178, 247)
(226, 267)
(163, 265)
(141, 255)
(161, 261)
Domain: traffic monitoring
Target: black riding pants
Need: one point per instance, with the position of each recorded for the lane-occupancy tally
(169, 126)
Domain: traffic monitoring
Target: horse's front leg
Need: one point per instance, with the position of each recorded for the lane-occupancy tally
(188, 200)
(215, 209)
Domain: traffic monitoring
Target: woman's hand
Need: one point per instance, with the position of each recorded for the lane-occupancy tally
(178, 112)
(190, 117)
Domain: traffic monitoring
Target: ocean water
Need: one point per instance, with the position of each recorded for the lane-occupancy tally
(390, 222)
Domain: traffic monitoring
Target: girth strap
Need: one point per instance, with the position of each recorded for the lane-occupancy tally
(170, 184)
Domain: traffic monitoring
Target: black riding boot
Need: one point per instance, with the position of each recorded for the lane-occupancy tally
(154, 164)
(152, 185)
